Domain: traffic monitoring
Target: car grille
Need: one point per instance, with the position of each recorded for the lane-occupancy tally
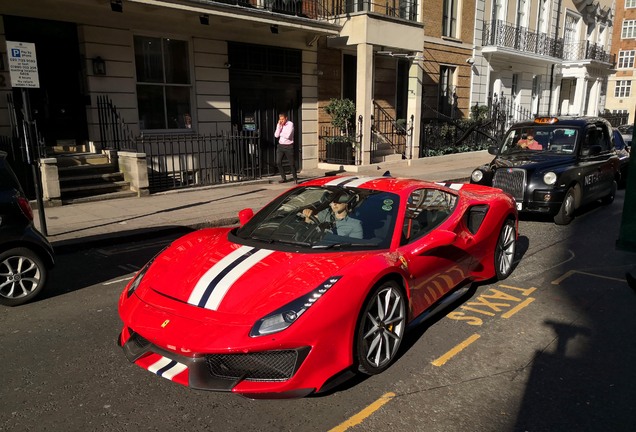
(264, 366)
(511, 180)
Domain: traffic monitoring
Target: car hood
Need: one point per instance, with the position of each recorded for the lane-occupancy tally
(535, 161)
(207, 271)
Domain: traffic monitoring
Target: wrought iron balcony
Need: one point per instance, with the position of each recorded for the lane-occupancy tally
(587, 51)
(323, 9)
(501, 34)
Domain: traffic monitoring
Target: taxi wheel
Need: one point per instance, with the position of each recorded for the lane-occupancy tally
(505, 250)
(380, 329)
(22, 276)
(610, 198)
(566, 212)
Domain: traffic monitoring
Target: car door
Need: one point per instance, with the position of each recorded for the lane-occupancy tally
(596, 162)
(429, 254)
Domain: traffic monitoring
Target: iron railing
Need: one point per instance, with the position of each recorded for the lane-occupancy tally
(180, 161)
(184, 160)
(502, 34)
(386, 132)
(324, 9)
(337, 147)
(114, 132)
(587, 51)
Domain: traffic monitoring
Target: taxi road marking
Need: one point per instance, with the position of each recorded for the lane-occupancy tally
(571, 272)
(456, 350)
(517, 308)
(362, 415)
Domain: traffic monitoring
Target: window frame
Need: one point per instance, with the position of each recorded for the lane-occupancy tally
(630, 4)
(623, 88)
(449, 18)
(625, 60)
(628, 29)
(164, 85)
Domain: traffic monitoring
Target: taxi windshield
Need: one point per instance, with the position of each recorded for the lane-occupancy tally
(549, 139)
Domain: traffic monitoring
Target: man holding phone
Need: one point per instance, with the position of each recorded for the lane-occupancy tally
(285, 134)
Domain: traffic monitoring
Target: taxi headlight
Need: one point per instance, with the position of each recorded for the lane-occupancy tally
(477, 176)
(549, 178)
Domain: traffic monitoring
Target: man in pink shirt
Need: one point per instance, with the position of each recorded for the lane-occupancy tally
(285, 134)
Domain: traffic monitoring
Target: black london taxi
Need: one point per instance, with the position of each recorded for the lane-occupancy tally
(553, 165)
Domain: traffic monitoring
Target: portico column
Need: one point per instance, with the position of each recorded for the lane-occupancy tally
(414, 108)
(364, 97)
(580, 96)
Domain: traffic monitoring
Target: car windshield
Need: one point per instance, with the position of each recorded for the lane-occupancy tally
(550, 139)
(318, 218)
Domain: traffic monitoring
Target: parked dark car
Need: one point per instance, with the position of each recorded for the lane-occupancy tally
(622, 150)
(627, 132)
(554, 165)
(25, 255)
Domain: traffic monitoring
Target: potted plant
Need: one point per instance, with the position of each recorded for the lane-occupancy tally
(340, 147)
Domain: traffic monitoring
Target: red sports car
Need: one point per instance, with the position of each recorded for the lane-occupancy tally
(319, 284)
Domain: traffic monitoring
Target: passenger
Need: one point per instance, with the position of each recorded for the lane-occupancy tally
(336, 216)
(529, 142)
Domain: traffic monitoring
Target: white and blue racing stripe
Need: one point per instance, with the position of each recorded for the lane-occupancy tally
(217, 281)
(341, 181)
(166, 368)
(454, 186)
(361, 180)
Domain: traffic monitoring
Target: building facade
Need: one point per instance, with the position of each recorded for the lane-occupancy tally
(621, 99)
(543, 56)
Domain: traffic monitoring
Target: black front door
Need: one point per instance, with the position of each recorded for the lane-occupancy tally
(58, 106)
(258, 109)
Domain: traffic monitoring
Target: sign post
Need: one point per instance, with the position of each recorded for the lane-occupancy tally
(23, 70)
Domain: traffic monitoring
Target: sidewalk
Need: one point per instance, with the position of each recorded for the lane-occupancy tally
(178, 211)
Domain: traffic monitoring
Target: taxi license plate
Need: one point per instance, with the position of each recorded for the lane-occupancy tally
(519, 206)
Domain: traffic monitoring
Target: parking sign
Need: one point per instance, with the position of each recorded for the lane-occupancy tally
(23, 65)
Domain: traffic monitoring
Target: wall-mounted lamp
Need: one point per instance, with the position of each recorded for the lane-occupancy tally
(274, 28)
(204, 19)
(116, 5)
(99, 66)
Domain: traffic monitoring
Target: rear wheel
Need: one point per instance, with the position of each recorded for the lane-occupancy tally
(505, 250)
(566, 212)
(22, 276)
(380, 328)
(608, 199)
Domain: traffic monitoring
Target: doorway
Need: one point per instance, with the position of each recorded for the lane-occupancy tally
(59, 105)
(265, 81)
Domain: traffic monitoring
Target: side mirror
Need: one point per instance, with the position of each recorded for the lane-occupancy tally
(435, 239)
(245, 215)
(493, 150)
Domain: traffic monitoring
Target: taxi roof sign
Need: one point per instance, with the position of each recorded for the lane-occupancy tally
(546, 120)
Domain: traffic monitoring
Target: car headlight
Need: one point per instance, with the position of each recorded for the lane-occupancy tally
(477, 176)
(285, 316)
(549, 178)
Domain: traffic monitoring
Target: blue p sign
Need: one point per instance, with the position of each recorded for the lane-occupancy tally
(15, 52)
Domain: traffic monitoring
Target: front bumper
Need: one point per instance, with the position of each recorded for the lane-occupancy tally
(546, 201)
(217, 372)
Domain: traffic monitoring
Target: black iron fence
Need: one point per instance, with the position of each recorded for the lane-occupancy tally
(184, 160)
(502, 34)
(387, 133)
(616, 119)
(485, 127)
(180, 161)
(338, 147)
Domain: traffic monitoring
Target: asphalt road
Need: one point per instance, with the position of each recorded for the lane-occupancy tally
(549, 349)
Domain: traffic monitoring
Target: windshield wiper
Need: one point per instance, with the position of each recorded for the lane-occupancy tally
(287, 242)
(341, 245)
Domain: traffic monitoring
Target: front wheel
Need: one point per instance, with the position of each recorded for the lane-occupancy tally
(22, 276)
(380, 328)
(505, 250)
(566, 212)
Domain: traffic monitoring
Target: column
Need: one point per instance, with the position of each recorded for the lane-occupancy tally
(579, 96)
(414, 107)
(364, 97)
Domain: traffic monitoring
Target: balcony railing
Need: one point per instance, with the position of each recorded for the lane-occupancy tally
(586, 51)
(501, 34)
(323, 9)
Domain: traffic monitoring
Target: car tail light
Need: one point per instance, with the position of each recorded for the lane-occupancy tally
(25, 207)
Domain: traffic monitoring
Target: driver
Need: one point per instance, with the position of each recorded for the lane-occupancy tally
(336, 216)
